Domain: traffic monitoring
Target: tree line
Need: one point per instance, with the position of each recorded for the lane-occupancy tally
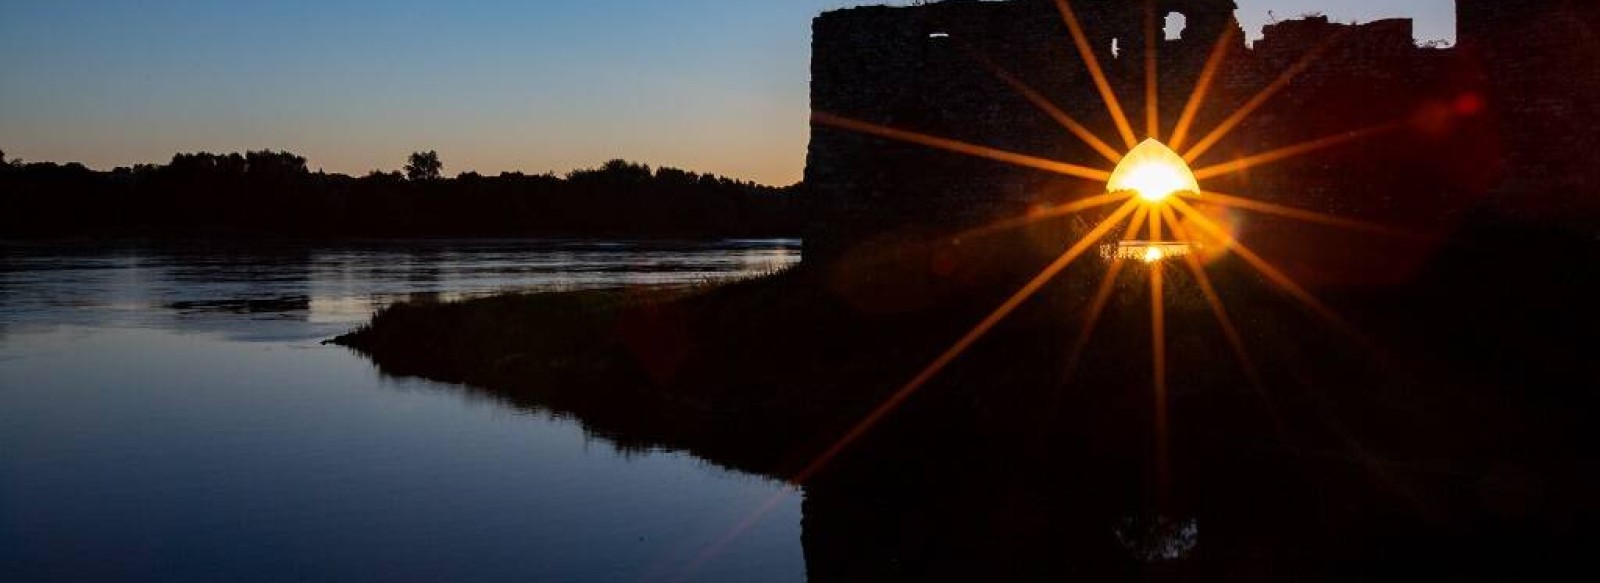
(268, 193)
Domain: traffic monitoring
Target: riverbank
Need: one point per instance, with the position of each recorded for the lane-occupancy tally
(741, 373)
(1454, 417)
(764, 372)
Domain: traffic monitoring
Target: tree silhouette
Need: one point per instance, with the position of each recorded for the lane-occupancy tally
(424, 166)
(270, 193)
(269, 165)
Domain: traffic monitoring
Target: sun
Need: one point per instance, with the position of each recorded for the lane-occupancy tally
(1154, 172)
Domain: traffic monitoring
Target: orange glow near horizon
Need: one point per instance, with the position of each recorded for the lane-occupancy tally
(1148, 251)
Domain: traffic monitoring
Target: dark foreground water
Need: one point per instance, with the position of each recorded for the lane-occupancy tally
(169, 414)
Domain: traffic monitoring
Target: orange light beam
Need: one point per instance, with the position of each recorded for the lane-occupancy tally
(1272, 273)
(1267, 93)
(1302, 148)
(960, 147)
(898, 397)
(1049, 213)
(1362, 456)
(1152, 79)
(1102, 296)
(1155, 225)
(715, 548)
(1288, 212)
(1215, 300)
(1158, 337)
(1202, 87)
(1049, 108)
(1099, 75)
(961, 346)
(1137, 223)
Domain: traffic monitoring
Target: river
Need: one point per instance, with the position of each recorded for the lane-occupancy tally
(168, 413)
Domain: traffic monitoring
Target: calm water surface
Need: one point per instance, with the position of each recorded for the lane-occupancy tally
(168, 413)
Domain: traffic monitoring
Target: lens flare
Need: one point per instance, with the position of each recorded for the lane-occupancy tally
(1153, 171)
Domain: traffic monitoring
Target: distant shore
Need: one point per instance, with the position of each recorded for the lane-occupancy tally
(270, 195)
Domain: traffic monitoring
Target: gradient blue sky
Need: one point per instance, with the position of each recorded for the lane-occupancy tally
(709, 85)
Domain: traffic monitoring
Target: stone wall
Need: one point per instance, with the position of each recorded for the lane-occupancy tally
(933, 69)
(1541, 62)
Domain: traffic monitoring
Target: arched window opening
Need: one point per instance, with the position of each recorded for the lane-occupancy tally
(1176, 24)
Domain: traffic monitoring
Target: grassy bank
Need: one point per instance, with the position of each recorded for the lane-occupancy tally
(714, 369)
(760, 373)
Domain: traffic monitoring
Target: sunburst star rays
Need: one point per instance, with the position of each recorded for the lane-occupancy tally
(1154, 213)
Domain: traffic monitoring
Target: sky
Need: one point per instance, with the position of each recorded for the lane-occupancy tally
(493, 85)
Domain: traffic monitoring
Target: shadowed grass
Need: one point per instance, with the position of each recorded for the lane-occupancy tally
(1482, 392)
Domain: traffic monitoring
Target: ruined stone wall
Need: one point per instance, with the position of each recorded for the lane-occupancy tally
(931, 69)
(1541, 62)
(1367, 76)
(915, 68)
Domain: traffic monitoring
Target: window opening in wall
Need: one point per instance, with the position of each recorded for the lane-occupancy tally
(1176, 24)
